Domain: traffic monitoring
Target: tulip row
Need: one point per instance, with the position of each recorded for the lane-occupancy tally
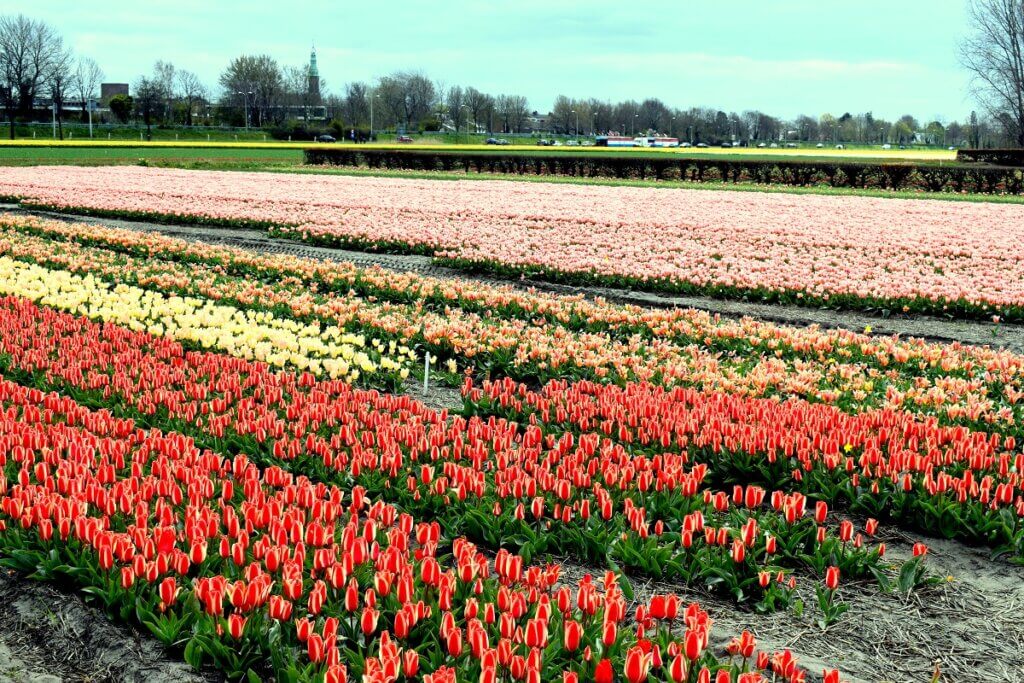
(930, 514)
(836, 251)
(948, 480)
(480, 478)
(261, 571)
(256, 335)
(534, 337)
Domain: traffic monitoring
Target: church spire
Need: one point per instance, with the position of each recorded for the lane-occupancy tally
(313, 71)
(313, 79)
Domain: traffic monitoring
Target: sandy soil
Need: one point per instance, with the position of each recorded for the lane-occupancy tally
(966, 628)
(48, 636)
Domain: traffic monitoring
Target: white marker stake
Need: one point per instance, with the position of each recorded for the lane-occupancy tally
(426, 373)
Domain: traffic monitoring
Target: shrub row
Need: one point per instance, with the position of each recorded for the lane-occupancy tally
(789, 171)
(998, 157)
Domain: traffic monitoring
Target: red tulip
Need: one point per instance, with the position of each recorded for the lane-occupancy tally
(236, 624)
(679, 669)
(336, 673)
(368, 621)
(410, 663)
(603, 673)
(453, 642)
(168, 591)
(572, 633)
(315, 648)
(609, 633)
(638, 664)
(693, 645)
(832, 578)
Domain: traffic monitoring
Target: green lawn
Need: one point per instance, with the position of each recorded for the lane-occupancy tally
(165, 156)
(80, 132)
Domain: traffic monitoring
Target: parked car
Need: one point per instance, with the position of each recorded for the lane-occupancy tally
(325, 138)
(774, 145)
(684, 144)
(545, 143)
(702, 145)
(792, 145)
(762, 145)
(726, 144)
(840, 146)
(887, 146)
(491, 141)
(572, 143)
(502, 141)
(404, 138)
(820, 145)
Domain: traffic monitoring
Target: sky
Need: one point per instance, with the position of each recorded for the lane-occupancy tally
(784, 57)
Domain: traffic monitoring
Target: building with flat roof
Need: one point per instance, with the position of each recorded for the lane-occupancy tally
(108, 90)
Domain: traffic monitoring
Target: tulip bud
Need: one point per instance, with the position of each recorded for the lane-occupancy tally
(832, 578)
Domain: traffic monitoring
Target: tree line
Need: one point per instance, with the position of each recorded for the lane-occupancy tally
(257, 91)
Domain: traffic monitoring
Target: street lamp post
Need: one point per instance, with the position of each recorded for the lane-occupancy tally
(577, 132)
(373, 96)
(466, 107)
(593, 122)
(245, 99)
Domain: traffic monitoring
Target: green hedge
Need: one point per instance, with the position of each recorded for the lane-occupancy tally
(927, 177)
(998, 157)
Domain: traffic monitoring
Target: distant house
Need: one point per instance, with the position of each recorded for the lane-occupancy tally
(537, 123)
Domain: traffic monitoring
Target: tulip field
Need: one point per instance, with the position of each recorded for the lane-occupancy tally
(904, 255)
(225, 449)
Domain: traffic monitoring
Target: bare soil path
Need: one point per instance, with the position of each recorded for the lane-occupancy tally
(49, 636)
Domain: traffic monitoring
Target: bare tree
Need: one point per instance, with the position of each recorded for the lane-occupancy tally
(994, 54)
(149, 100)
(563, 114)
(518, 110)
(653, 114)
(479, 104)
(164, 76)
(420, 96)
(60, 78)
(192, 93)
(88, 77)
(512, 112)
(356, 104)
(27, 50)
(391, 95)
(408, 97)
(455, 104)
(256, 82)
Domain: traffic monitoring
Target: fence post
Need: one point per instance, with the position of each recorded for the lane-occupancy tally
(426, 373)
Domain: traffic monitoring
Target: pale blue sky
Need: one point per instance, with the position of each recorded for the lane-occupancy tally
(784, 57)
